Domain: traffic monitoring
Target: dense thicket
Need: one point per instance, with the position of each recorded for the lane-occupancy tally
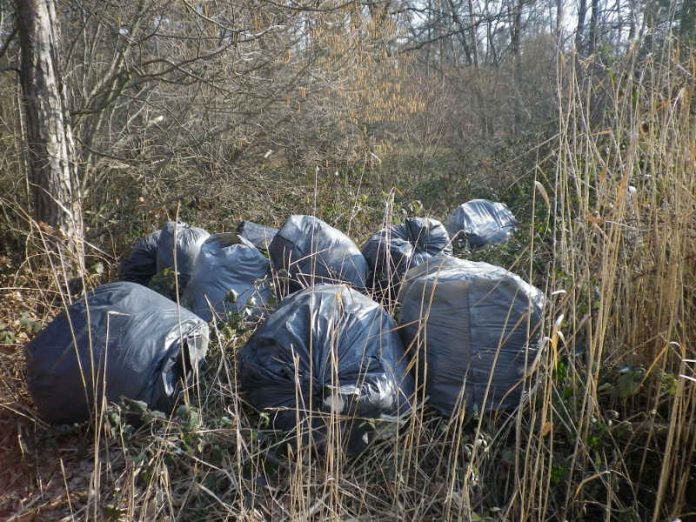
(183, 101)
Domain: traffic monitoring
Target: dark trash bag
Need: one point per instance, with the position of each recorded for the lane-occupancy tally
(397, 248)
(188, 245)
(229, 278)
(314, 252)
(316, 327)
(258, 235)
(141, 264)
(480, 222)
(471, 309)
(136, 338)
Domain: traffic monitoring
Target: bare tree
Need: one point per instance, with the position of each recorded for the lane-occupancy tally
(49, 140)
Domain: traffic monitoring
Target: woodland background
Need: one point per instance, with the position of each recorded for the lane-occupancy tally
(579, 115)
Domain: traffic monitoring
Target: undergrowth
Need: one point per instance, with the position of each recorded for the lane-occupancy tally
(605, 430)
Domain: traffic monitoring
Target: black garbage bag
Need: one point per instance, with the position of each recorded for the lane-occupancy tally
(187, 245)
(313, 252)
(141, 264)
(397, 248)
(332, 344)
(122, 340)
(480, 222)
(258, 235)
(472, 322)
(228, 278)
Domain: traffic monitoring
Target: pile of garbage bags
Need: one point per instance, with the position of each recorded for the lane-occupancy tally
(326, 348)
(120, 340)
(228, 278)
(480, 222)
(258, 235)
(175, 247)
(474, 330)
(468, 330)
(312, 252)
(397, 248)
(141, 265)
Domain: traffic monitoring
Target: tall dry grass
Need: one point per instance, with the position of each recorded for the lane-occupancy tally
(625, 254)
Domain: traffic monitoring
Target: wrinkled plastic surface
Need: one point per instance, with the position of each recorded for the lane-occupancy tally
(481, 222)
(314, 252)
(472, 321)
(136, 336)
(187, 245)
(397, 248)
(141, 264)
(228, 278)
(258, 235)
(341, 348)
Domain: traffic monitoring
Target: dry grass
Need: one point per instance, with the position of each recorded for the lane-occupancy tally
(608, 431)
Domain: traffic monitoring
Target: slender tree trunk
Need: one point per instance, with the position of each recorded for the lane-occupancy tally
(462, 32)
(474, 38)
(516, 31)
(55, 196)
(632, 21)
(559, 22)
(580, 30)
(594, 19)
(515, 16)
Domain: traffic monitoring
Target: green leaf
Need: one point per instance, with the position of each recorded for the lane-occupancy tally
(629, 382)
(98, 268)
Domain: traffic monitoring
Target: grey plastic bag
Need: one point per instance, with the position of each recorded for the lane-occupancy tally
(331, 344)
(187, 245)
(129, 341)
(313, 252)
(141, 264)
(481, 222)
(228, 278)
(470, 322)
(258, 235)
(397, 248)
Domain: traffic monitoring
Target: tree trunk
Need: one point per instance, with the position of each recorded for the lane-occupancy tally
(474, 38)
(580, 30)
(515, 15)
(50, 147)
(559, 22)
(594, 22)
(515, 35)
(632, 9)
